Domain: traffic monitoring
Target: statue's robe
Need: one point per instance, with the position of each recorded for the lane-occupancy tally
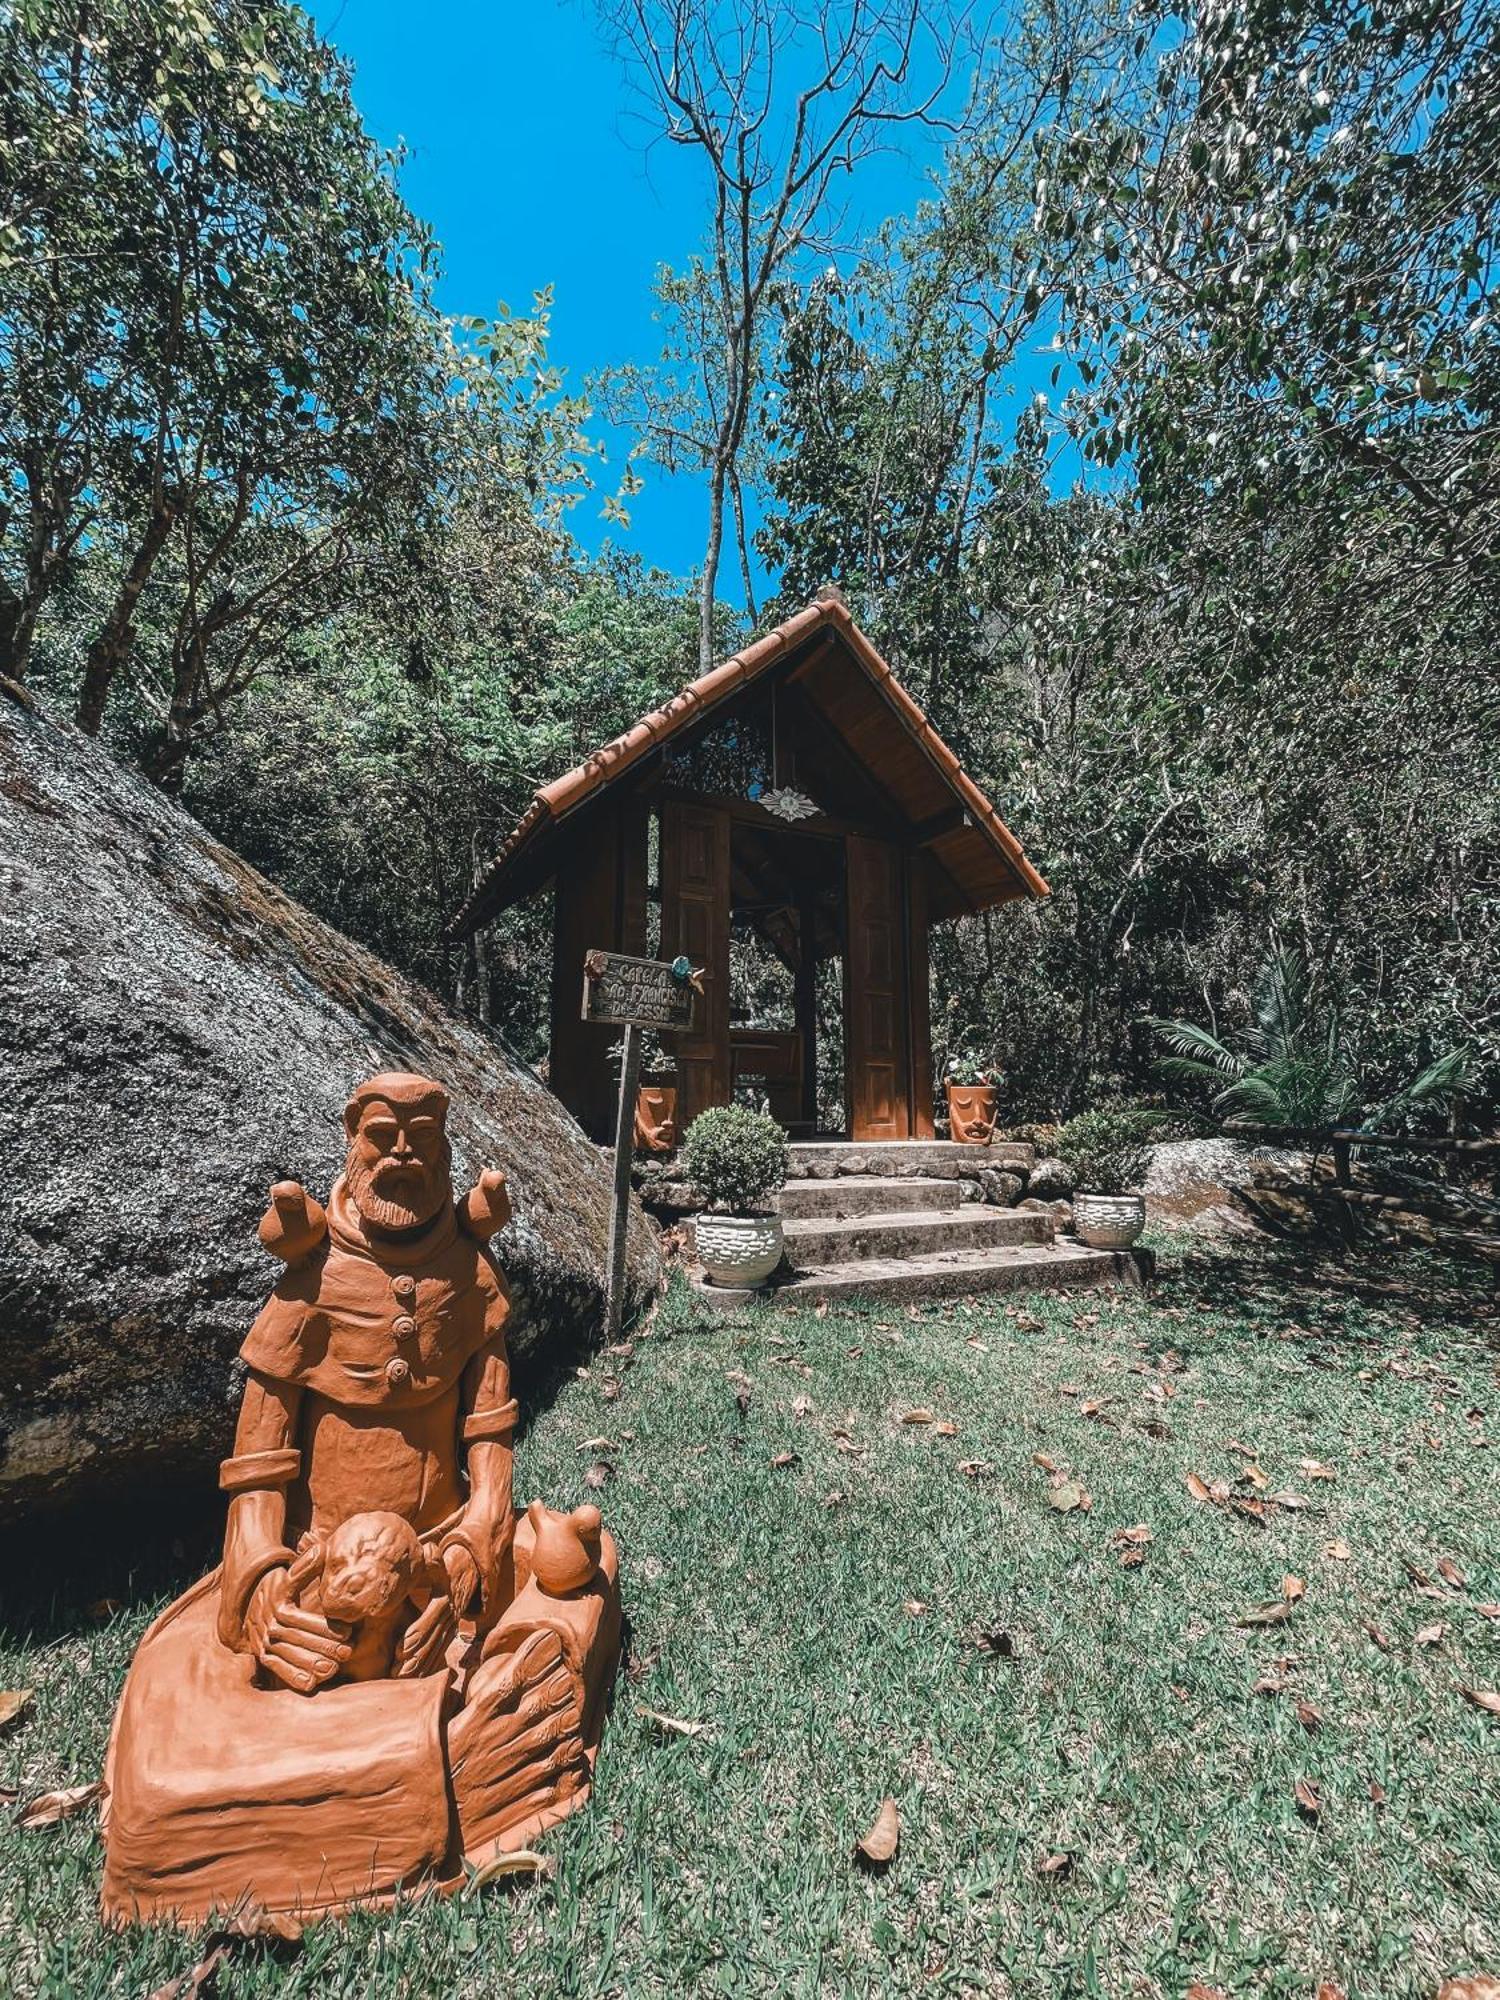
(221, 1785)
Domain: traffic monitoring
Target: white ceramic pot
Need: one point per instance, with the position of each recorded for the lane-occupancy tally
(740, 1250)
(1108, 1221)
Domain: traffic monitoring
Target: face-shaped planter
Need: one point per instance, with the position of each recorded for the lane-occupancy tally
(656, 1118)
(971, 1112)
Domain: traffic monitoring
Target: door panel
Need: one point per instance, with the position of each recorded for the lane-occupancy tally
(695, 923)
(601, 906)
(874, 992)
(918, 1006)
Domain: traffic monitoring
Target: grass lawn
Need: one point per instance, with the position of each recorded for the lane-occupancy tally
(821, 1619)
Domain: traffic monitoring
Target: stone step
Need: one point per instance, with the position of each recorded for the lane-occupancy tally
(939, 1159)
(867, 1194)
(818, 1242)
(954, 1274)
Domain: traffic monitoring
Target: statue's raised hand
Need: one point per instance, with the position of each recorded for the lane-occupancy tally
(302, 1648)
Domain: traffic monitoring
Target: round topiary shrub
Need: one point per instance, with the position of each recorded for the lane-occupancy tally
(736, 1159)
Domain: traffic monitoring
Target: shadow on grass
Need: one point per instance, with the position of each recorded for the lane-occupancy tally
(66, 1570)
(1362, 1293)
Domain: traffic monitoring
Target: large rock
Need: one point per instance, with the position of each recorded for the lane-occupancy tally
(1050, 1181)
(1199, 1183)
(176, 1034)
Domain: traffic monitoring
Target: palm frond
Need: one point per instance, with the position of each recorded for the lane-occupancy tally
(1188, 1069)
(1279, 999)
(1431, 1089)
(1196, 1045)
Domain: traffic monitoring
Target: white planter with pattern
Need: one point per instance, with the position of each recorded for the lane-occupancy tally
(1108, 1221)
(740, 1250)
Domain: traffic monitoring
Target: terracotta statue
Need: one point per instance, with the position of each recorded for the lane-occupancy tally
(656, 1118)
(389, 1675)
(972, 1111)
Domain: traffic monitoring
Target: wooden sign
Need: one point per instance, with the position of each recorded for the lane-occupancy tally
(637, 992)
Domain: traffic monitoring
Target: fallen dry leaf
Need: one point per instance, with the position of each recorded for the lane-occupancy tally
(673, 1725)
(1377, 1791)
(14, 1703)
(1471, 1986)
(802, 1406)
(915, 1608)
(1253, 1476)
(1310, 1716)
(519, 1861)
(1486, 1698)
(1131, 1544)
(1198, 1487)
(1429, 1635)
(1339, 1550)
(1041, 1459)
(1316, 1469)
(877, 1847)
(50, 1807)
(1450, 1572)
(1488, 1610)
(916, 1417)
(1068, 1496)
(184, 1985)
(1270, 1684)
(1198, 1991)
(1329, 1989)
(1309, 1799)
(250, 1919)
(975, 1468)
(1293, 1589)
(945, 1428)
(1276, 1612)
(1382, 1639)
(1056, 1866)
(598, 1475)
(785, 1458)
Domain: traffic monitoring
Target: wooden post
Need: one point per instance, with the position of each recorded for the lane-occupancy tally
(631, 993)
(619, 1220)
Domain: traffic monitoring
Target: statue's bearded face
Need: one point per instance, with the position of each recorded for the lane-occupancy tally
(398, 1166)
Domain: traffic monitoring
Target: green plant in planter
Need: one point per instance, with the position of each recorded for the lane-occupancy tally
(972, 1072)
(736, 1159)
(1106, 1151)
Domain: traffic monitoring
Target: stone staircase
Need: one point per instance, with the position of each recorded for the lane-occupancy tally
(907, 1220)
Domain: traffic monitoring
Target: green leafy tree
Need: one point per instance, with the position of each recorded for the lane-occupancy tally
(215, 344)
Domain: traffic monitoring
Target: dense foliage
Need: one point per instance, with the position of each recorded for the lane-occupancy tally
(1106, 1152)
(1213, 619)
(735, 1158)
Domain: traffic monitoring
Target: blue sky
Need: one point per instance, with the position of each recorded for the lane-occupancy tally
(528, 156)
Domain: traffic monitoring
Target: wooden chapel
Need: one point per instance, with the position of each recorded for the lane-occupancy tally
(797, 797)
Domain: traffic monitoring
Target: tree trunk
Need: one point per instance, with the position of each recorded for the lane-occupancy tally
(711, 568)
(17, 624)
(112, 647)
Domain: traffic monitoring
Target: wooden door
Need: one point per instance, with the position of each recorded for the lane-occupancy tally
(695, 923)
(875, 1043)
(918, 1002)
(601, 906)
